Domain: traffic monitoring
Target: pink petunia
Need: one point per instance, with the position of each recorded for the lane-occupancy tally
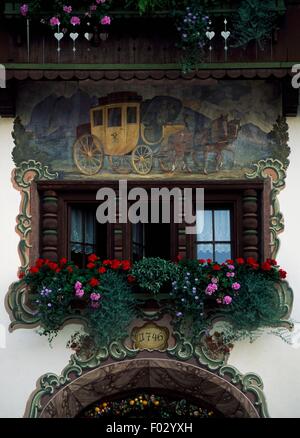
(105, 20)
(24, 10)
(236, 286)
(54, 21)
(95, 297)
(67, 9)
(227, 300)
(79, 293)
(78, 285)
(75, 21)
(95, 304)
(100, 1)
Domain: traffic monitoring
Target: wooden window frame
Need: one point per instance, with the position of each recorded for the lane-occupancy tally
(119, 235)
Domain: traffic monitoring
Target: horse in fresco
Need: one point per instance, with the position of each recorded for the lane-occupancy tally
(219, 137)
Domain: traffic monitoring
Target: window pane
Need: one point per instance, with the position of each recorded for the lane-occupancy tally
(222, 252)
(82, 230)
(222, 225)
(205, 251)
(131, 115)
(98, 117)
(206, 234)
(114, 117)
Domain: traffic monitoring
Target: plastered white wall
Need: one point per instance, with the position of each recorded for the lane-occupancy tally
(27, 356)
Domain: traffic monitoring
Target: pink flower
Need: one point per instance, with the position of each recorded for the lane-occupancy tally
(105, 20)
(230, 274)
(236, 286)
(54, 21)
(95, 297)
(93, 7)
(211, 289)
(227, 300)
(231, 267)
(67, 9)
(214, 280)
(79, 293)
(78, 285)
(95, 304)
(219, 301)
(100, 1)
(75, 21)
(24, 10)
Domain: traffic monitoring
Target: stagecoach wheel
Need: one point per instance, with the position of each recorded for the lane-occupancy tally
(167, 161)
(88, 154)
(119, 164)
(142, 159)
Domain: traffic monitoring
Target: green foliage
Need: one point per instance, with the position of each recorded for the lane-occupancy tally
(110, 321)
(152, 274)
(256, 305)
(243, 293)
(254, 21)
(25, 149)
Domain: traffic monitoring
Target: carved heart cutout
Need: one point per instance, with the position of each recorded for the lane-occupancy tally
(225, 35)
(88, 36)
(210, 35)
(58, 35)
(74, 36)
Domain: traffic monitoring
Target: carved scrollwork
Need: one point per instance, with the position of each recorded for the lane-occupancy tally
(250, 383)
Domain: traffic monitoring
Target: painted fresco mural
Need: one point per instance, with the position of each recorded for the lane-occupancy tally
(209, 129)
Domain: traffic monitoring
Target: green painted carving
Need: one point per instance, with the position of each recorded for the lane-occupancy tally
(183, 350)
(250, 383)
(23, 176)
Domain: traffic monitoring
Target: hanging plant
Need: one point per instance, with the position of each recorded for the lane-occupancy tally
(254, 21)
(192, 28)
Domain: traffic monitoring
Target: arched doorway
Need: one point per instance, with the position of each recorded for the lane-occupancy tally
(161, 376)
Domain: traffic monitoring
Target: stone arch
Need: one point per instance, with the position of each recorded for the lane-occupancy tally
(156, 374)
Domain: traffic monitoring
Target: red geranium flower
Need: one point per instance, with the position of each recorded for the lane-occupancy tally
(107, 262)
(282, 273)
(202, 261)
(63, 261)
(209, 260)
(131, 279)
(34, 270)
(266, 266)
(240, 261)
(230, 262)
(57, 270)
(216, 267)
(93, 258)
(272, 262)
(91, 265)
(251, 261)
(39, 263)
(116, 264)
(94, 282)
(102, 270)
(21, 275)
(70, 269)
(126, 265)
(179, 257)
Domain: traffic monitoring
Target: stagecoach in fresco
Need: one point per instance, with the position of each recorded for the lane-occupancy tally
(116, 132)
